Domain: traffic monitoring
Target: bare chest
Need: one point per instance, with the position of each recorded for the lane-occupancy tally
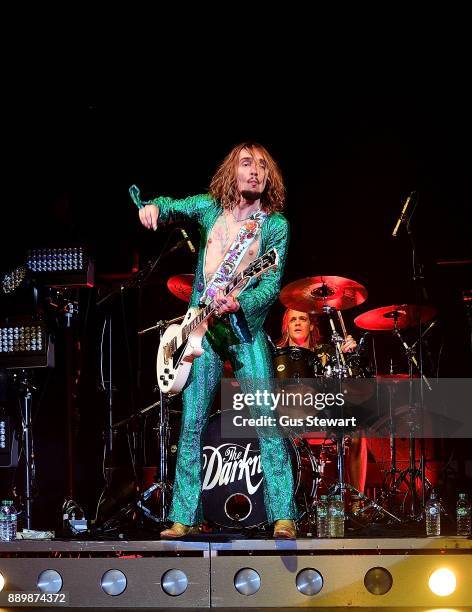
(221, 237)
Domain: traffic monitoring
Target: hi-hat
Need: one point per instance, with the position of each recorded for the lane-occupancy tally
(403, 316)
(312, 293)
(180, 285)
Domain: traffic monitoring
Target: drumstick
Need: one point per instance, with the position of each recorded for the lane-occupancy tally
(343, 327)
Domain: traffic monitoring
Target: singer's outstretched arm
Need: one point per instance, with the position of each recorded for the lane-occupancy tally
(164, 209)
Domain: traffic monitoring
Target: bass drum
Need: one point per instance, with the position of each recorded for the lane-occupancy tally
(232, 489)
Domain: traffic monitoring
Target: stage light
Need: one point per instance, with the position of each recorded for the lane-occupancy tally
(12, 280)
(113, 582)
(61, 267)
(309, 582)
(247, 581)
(52, 260)
(442, 582)
(174, 582)
(49, 581)
(25, 344)
(378, 581)
(4, 434)
(2, 582)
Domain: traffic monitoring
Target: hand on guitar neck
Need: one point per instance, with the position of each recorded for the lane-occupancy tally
(225, 303)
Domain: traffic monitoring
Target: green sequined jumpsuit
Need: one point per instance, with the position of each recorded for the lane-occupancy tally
(242, 341)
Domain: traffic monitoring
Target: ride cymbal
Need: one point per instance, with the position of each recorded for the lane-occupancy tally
(404, 315)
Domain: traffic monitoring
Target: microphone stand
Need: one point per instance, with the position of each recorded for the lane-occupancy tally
(421, 297)
(136, 281)
(164, 431)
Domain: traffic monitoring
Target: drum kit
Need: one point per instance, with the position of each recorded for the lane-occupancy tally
(232, 497)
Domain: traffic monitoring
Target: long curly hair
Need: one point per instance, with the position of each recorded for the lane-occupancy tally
(314, 333)
(224, 184)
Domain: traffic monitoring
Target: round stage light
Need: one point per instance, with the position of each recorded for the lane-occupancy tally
(49, 581)
(2, 582)
(378, 581)
(113, 582)
(442, 582)
(174, 582)
(247, 581)
(309, 582)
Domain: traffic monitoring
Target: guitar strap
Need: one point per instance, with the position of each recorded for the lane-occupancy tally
(246, 235)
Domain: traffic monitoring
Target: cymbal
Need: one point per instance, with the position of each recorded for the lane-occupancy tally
(180, 285)
(312, 293)
(406, 315)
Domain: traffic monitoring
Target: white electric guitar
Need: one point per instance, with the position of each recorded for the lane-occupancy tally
(181, 344)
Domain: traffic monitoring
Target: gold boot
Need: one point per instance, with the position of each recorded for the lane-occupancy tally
(285, 529)
(178, 530)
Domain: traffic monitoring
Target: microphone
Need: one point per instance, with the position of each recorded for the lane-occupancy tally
(401, 218)
(187, 240)
(176, 247)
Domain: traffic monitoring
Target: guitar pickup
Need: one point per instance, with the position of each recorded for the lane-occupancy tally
(166, 354)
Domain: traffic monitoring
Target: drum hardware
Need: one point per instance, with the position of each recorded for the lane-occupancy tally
(162, 484)
(337, 340)
(394, 318)
(340, 486)
(125, 492)
(163, 436)
(137, 279)
(412, 473)
(159, 325)
(294, 362)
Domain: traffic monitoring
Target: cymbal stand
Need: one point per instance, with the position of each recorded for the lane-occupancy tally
(412, 473)
(337, 340)
(341, 487)
(27, 387)
(343, 368)
(389, 484)
(163, 437)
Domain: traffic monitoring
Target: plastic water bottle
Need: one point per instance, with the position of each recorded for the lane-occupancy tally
(463, 514)
(322, 529)
(336, 517)
(433, 516)
(7, 521)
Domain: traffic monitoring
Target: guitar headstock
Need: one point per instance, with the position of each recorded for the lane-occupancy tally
(262, 264)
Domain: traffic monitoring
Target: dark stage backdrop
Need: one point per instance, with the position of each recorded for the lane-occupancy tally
(349, 159)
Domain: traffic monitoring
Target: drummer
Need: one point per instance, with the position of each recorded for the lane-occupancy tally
(300, 329)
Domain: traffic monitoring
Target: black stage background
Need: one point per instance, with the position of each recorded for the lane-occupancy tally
(351, 150)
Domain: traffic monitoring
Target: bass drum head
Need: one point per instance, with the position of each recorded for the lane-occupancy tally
(232, 489)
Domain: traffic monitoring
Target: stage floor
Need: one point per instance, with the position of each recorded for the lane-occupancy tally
(236, 573)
